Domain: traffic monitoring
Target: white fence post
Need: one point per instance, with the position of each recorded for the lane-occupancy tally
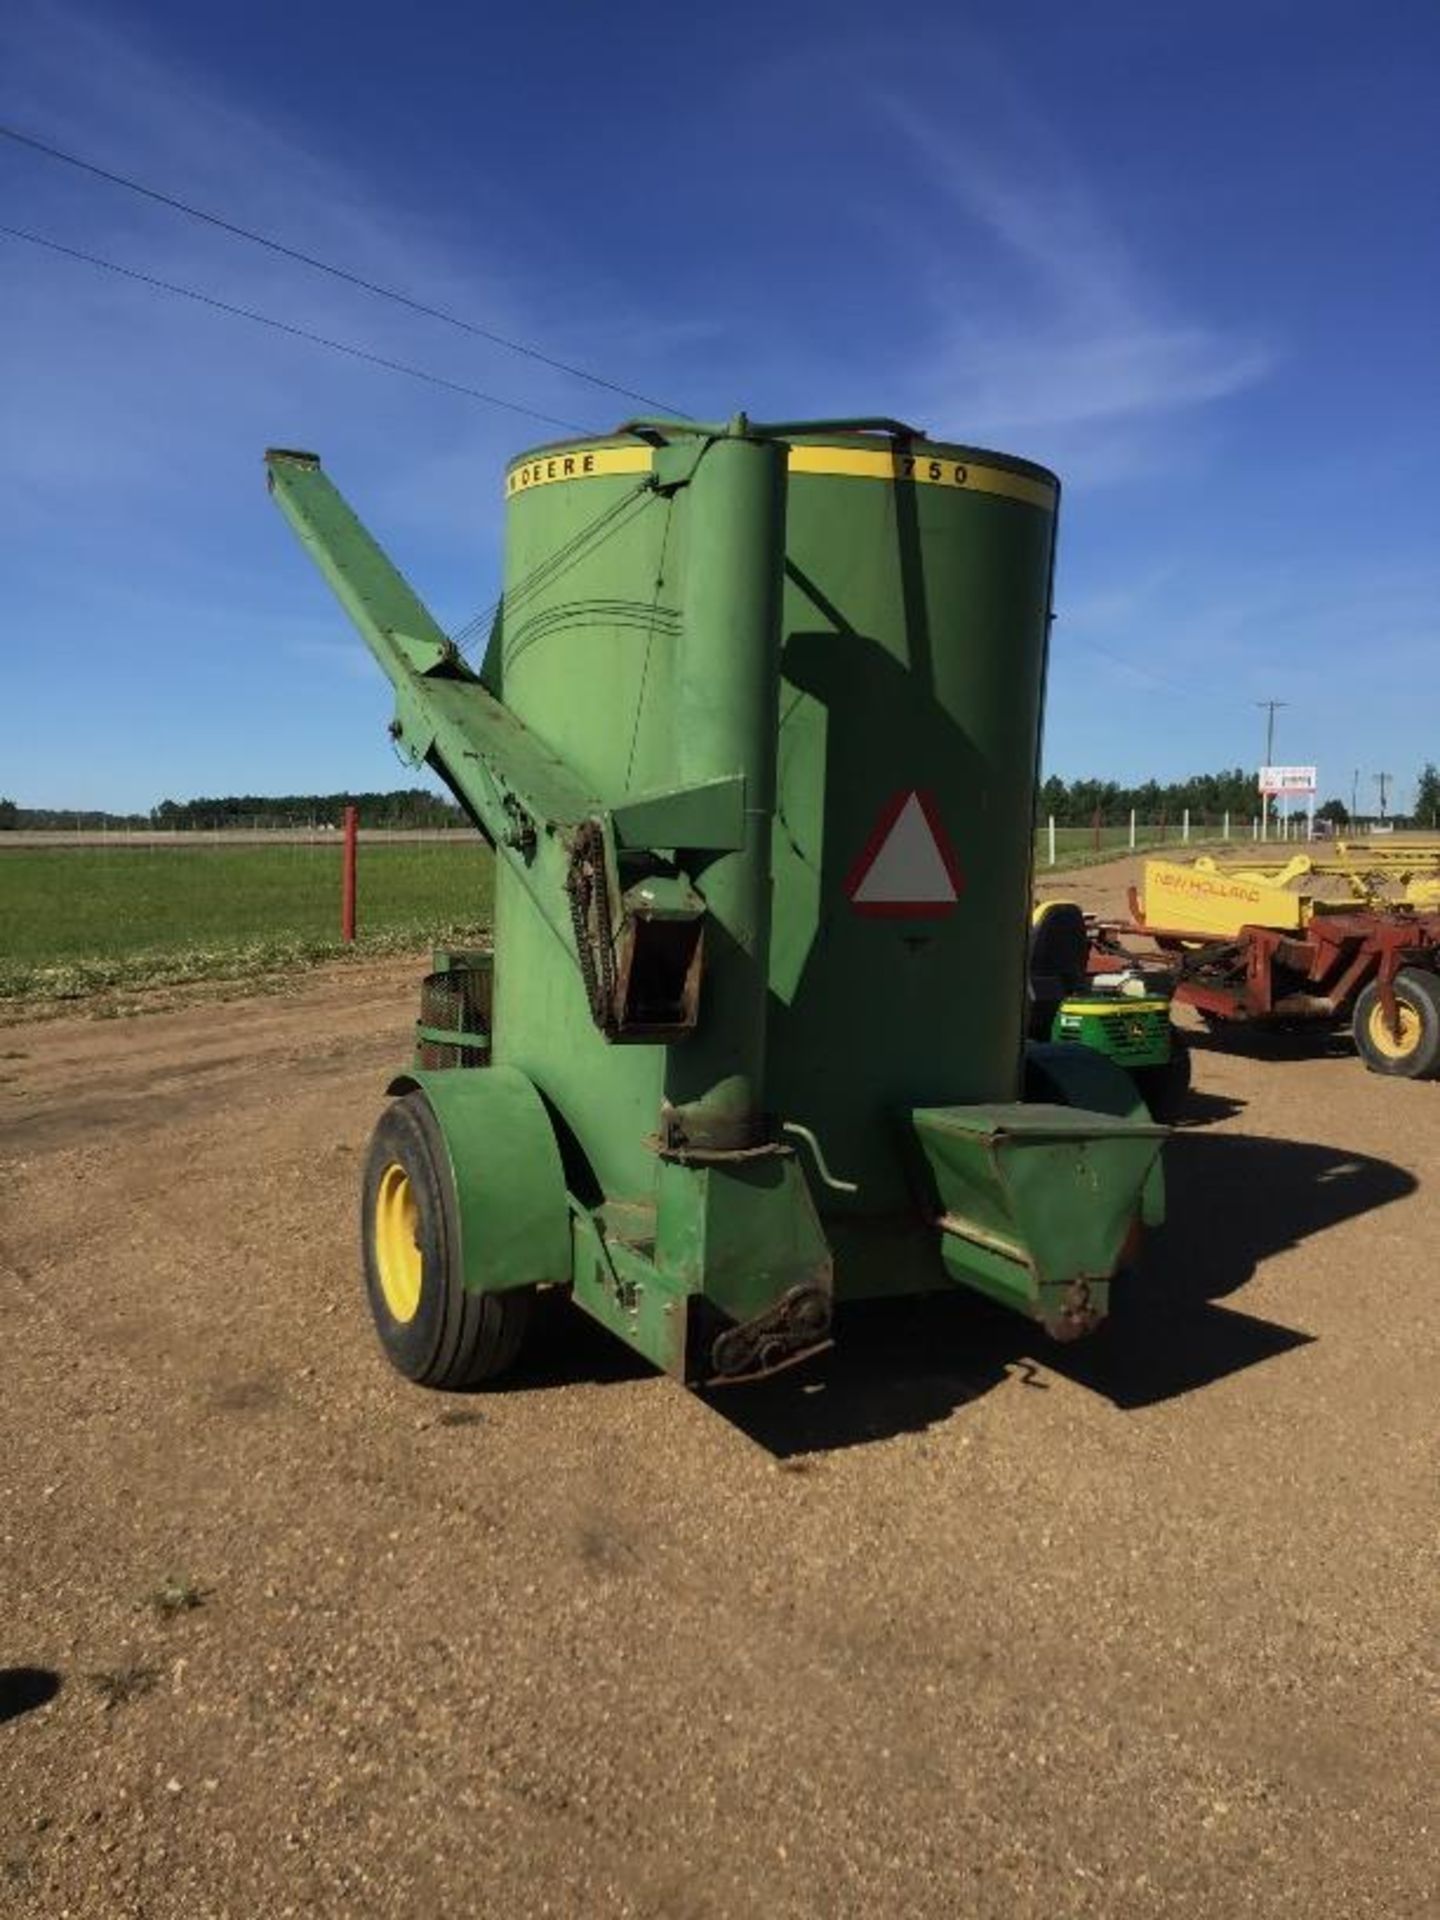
(1132, 829)
(1227, 824)
(1185, 828)
(1052, 839)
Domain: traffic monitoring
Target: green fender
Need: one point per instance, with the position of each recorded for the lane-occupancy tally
(509, 1184)
(1079, 1077)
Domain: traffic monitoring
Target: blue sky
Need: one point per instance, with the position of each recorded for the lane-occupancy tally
(1185, 255)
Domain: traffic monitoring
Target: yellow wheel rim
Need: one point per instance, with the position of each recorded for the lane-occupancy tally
(398, 1260)
(1384, 1041)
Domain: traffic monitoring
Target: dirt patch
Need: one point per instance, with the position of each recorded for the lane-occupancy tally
(956, 1623)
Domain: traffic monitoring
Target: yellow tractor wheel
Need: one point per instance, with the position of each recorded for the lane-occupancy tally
(1408, 1047)
(433, 1329)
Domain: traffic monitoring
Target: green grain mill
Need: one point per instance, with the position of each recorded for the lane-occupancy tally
(755, 743)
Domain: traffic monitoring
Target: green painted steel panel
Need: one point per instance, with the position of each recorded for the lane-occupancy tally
(916, 624)
(742, 1233)
(821, 656)
(509, 1183)
(1049, 1187)
(1082, 1078)
(915, 621)
(584, 656)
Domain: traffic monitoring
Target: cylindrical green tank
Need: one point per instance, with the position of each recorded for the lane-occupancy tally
(755, 743)
(912, 660)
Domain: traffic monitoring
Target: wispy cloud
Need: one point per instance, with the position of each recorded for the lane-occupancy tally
(1048, 330)
(1200, 653)
(128, 387)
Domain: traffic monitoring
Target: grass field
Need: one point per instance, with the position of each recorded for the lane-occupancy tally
(75, 922)
(1077, 846)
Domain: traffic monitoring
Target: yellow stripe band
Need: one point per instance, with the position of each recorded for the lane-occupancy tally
(1121, 1005)
(925, 470)
(584, 463)
(849, 463)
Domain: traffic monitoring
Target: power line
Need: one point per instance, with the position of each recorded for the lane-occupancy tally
(1138, 668)
(1269, 707)
(299, 333)
(327, 266)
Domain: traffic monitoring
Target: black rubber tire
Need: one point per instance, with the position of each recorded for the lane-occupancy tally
(1166, 1089)
(1418, 991)
(454, 1339)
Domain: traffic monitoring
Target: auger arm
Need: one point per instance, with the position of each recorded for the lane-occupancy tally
(592, 870)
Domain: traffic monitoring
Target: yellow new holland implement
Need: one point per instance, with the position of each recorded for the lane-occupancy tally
(1361, 942)
(1215, 896)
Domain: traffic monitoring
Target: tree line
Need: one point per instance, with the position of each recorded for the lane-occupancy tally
(1208, 797)
(1071, 803)
(1075, 803)
(407, 807)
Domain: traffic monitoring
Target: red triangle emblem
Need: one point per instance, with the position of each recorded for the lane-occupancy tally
(907, 868)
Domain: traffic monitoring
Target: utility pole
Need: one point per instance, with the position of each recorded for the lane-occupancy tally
(1265, 798)
(1382, 780)
(1354, 794)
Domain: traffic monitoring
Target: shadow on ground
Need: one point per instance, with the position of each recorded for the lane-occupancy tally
(1234, 1201)
(566, 1348)
(1204, 1109)
(23, 1689)
(1255, 1040)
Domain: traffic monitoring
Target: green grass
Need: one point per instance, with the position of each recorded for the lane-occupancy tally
(95, 920)
(1075, 846)
(78, 922)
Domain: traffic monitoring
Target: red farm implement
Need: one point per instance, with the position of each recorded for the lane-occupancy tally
(1375, 966)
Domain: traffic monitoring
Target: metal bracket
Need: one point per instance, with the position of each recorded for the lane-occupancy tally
(797, 1326)
(673, 465)
(708, 818)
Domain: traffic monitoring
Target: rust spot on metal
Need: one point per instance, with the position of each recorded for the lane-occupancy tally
(1076, 1317)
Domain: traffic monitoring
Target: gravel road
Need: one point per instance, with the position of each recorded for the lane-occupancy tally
(953, 1624)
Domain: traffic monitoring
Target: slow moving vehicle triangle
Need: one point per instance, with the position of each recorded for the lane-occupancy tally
(908, 868)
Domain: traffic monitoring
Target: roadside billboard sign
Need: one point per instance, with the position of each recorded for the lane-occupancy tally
(1275, 781)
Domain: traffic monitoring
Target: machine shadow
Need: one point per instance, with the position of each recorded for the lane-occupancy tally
(1255, 1041)
(23, 1689)
(1205, 1109)
(566, 1348)
(1234, 1201)
(897, 1366)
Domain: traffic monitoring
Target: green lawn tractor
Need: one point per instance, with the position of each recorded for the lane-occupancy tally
(1122, 1011)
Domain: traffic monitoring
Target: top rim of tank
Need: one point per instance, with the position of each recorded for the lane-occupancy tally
(874, 442)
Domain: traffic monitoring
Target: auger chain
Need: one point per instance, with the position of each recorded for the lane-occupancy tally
(590, 922)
